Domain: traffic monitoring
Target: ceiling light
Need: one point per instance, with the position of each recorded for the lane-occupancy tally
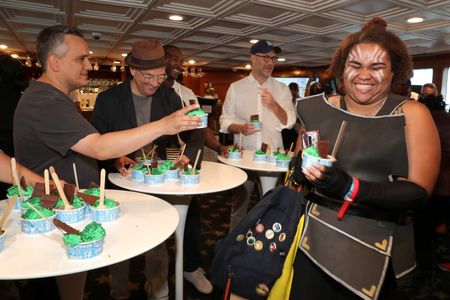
(124, 55)
(14, 56)
(91, 52)
(248, 66)
(253, 41)
(281, 59)
(175, 17)
(415, 20)
(191, 61)
(3, 46)
(116, 62)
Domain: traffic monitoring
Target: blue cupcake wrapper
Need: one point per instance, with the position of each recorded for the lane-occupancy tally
(271, 159)
(235, 155)
(308, 160)
(105, 215)
(204, 120)
(71, 216)
(190, 179)
(2, 241)
(282, 163)
(260, 157)
(37, 226)
(85, 250)
(154, 179)
(171, 174)
(137, 175)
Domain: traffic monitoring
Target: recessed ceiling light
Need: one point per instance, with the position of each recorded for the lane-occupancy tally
(124, 55)
(3, 46)
(415, 20)
(175, 17)
(281, 59)
(248, 66)
(14, 56)
(191, 61)
(253, 41)
(91, 52)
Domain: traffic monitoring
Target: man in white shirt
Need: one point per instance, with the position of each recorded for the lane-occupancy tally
(259, 93)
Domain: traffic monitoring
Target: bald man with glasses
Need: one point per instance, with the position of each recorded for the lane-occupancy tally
(257, 94)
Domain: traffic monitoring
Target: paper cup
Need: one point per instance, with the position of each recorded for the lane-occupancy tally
(260, 158)
(137, 175)
(71, 215)
(257, 125)
(272, 159)
(154, 179)
(308, 160)
(85, 250)
(172, 174)
(282, 163)
(235, 155)
(204, 120)
(106, 214)
(37, 226)
(2, 240)
(190, 179)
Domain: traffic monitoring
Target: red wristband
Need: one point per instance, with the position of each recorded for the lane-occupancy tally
(354, 189)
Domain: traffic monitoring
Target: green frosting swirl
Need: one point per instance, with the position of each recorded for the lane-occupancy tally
(14, 191)
(77, 203)
(92, 232)
(94, 191)
(283, 156)
(196, 112)
(188, 172)
(166, 165)
(30, 214)
(109, 203)
(260, 152)
(156, 171)
(255, 121)
(140, 168)
(312, 151)
(233, 150)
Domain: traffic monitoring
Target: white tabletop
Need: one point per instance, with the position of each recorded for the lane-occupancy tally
(247, 163)
(144, 223)
(214, 177)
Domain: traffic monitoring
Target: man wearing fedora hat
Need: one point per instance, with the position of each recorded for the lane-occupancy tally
(257, 94)
(141, 99)
(47, 121)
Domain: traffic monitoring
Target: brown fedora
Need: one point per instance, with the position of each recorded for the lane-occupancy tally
(146, 54)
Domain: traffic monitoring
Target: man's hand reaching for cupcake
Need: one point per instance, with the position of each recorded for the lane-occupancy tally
(122, 163)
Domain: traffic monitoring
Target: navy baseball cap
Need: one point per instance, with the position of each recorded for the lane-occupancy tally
(264, 46)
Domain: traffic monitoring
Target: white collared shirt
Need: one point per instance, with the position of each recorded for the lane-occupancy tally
(184, 93)
(243, 100)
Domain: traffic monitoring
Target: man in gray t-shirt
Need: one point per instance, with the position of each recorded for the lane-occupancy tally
(48, 130)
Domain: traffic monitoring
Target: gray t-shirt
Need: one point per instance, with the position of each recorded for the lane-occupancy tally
(143, 109)
(46, 125)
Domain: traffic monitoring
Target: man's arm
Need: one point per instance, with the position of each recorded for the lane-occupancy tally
(119, 143)
(6, 173)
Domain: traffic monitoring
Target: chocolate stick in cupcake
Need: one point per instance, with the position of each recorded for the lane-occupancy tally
(65, 227)
(7, 212)
(196, 161)
(75, 175)
(60, 190)
(16, 176)
(101, 204)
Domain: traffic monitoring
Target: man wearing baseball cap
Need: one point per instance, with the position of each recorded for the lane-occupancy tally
(139, 100)
(257, 94)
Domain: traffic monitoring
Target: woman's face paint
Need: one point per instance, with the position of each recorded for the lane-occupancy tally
(367, 74)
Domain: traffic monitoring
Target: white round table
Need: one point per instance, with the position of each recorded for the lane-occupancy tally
(214, 177)
(145, 222)
(267, 172)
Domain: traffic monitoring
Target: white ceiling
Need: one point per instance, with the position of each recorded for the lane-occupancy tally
(216, 33)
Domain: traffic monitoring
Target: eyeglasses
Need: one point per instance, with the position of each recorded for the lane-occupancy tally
(268, 58)
(158, 78)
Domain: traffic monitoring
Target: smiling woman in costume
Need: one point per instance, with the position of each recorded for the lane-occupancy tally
(386, 166)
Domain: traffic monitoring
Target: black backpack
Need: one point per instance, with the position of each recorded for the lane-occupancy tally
(250, 259)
